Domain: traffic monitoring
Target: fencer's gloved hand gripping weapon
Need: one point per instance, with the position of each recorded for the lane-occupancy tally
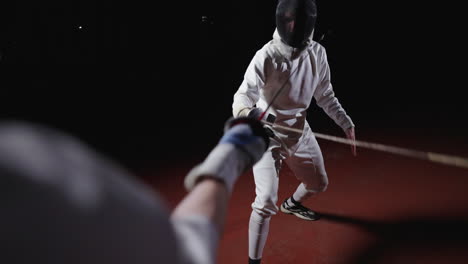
(242, 145)
(257, 113)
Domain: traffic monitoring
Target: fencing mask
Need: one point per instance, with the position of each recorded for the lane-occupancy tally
(295, 21)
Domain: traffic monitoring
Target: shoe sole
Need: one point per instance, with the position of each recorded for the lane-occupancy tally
(286, 211)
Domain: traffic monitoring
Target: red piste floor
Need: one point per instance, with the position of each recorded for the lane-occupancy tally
(379, 208)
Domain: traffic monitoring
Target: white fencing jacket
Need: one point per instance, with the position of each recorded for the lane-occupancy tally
(305, 73)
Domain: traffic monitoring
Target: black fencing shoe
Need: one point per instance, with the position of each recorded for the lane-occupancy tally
(254, 261)
(289, 206)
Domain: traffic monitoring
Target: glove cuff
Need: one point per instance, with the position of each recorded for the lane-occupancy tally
(225, 162)
(244, 142)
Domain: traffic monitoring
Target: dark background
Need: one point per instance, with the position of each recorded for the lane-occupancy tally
(147, 82)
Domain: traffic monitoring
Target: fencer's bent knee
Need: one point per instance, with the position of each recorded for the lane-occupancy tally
(317, 186)
(265, 212)
(259, 218)
(265, 205)
(322, 185)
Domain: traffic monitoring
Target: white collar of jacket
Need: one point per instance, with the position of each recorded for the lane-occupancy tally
(287, 51)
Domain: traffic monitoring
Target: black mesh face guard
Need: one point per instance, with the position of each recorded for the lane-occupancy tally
(295, 21)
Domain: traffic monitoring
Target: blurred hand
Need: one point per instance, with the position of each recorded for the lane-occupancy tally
(248, 134)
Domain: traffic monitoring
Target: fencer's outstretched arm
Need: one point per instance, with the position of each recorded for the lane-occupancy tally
(208, 198)
(95, 204)
(201, 214)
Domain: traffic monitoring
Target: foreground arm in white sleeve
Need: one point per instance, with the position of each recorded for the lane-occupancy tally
(199, 217)
(52, 175)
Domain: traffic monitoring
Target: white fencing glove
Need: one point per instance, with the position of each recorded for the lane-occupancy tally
(242, 145)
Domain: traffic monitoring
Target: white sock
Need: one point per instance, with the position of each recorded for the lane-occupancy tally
(290, 201)
(301, 194)
(258, 233)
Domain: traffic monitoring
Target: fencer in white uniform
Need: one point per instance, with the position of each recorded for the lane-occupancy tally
(302, 68)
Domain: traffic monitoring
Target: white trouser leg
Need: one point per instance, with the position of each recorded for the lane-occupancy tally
(308, 166)
(258, 234)
(266, 176)
(266, 188)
